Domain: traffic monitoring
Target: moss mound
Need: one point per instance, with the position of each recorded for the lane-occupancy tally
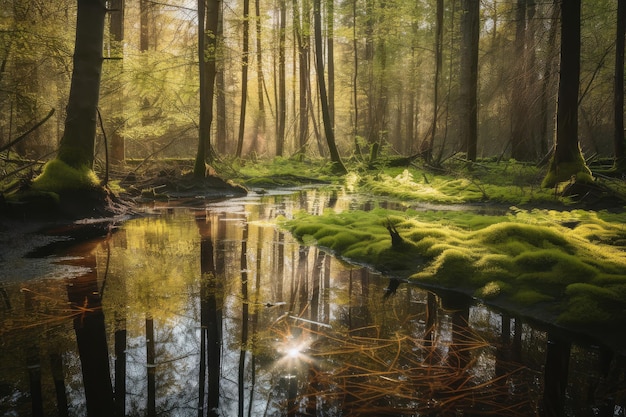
(563, 267)
(57, 176)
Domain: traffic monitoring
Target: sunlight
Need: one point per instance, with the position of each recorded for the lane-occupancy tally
(293, 353)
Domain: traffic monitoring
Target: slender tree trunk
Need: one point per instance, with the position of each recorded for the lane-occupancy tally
(546, 84)
(221, 131)
(355, 79)
(428, 151)
(281, 106)
(302, 30)
(207, 43)
(117, 144)
(144, 24)
(519, 108)
(470, 12)
(618, 99)
(330, 51)
(319, 62)
(78, 142)
(244, 77)
(260, 120)
(567, 160)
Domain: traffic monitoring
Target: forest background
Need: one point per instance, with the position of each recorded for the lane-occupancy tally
(391, 67)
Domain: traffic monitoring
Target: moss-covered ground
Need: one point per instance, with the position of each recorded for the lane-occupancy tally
(564, 267)
(548, 257)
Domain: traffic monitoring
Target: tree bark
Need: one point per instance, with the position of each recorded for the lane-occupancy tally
(260, 119)
(470, 11)
(428, 151)
(77, 145)
(281, 105)
(244, 77)
(567, 161)
(117, 145)
(319, 65)
(618, 98)
(302, 30)
(330, 52)
(207, 43)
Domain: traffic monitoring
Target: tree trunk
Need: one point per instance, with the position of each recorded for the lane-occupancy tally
(244, 77)
(221, 132)
(207, 43)
(77, 145)
(319, 65)
(144, 25)
(470, 11)
(260, 120)
(428, 151)
(117, 144)
(618, 100)
(546, 83)
(567, 161)
(521, 145)
(355, 80)
(330, 52)
(302, 30)
(281, 105)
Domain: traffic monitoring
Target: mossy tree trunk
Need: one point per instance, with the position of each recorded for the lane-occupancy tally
(78, 142)
(567, 161)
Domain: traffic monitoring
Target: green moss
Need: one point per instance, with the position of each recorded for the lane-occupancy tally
(533, 235)
(529, 297)
(585, 310)
(492, 289)
(539, 260)
(567, 171)
(57, 176)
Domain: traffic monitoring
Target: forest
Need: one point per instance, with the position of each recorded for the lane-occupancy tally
(472, 150)
(427, 79)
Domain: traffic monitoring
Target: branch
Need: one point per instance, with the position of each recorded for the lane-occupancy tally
(22, 136)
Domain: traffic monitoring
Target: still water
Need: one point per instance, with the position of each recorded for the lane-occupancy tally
(209, 309)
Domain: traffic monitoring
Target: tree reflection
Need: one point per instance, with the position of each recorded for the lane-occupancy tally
(210, 322)
(84, 295)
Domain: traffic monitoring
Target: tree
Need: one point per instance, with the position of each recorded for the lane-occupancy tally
(259, 125)
(618, 97)
(522, 146)
(73, 166)
(427, 150)
(567, 160)
(470, 11)
(117, 38)
(281, 104)
(244, 76)
(319, 65)
(207, 44)
(303, 38)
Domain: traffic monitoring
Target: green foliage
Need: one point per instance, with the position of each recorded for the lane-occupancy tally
(57, 176)
(560, 266)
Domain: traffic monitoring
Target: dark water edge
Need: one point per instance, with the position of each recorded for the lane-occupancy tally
(162, 315)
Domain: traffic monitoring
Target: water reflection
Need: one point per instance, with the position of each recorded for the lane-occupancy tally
(216, 312)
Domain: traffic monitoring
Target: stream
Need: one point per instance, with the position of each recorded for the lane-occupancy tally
(207, 308)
